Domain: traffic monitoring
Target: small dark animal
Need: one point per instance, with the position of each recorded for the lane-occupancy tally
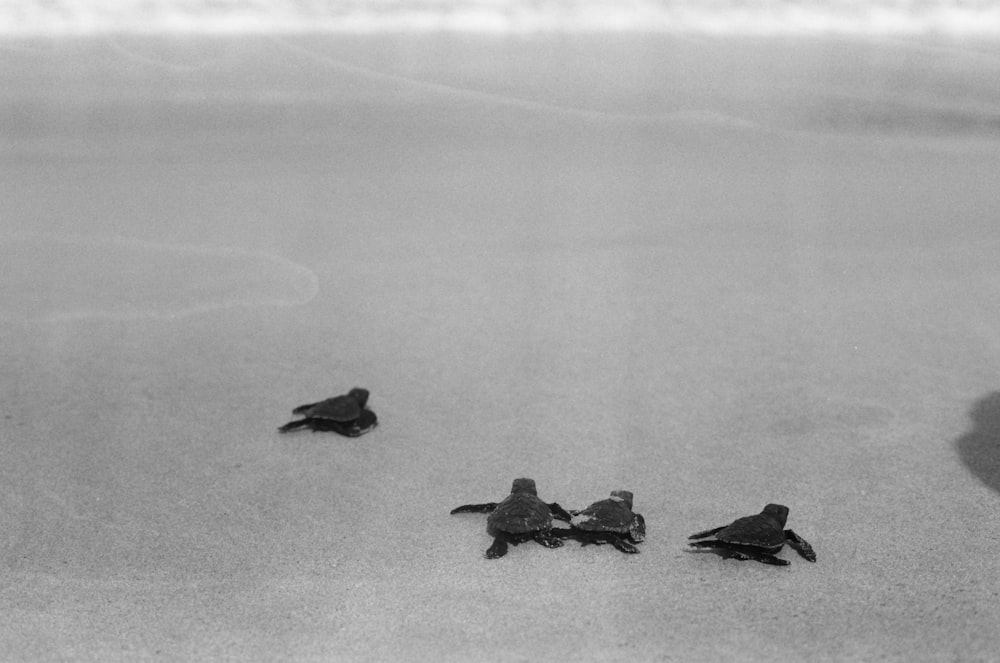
(346, 414)
(520, 517)
(609, 520)
(757, 537)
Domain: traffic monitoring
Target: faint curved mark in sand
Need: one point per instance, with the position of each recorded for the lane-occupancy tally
(32, 47)
(916, 115)
(980, 447)
(160, 62)
(51, 278)
(693, 115)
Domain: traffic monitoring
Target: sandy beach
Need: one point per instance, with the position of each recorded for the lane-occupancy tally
(717, 273)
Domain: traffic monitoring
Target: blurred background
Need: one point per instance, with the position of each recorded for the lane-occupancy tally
(955, 17)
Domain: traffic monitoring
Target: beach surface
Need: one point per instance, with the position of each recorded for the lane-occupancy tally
(715, 272)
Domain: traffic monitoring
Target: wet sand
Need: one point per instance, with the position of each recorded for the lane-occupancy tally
(716, 274)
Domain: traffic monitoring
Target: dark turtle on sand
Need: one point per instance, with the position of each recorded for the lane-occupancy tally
(756, 537)
(346, 414)
(520, 517)
(609, 520)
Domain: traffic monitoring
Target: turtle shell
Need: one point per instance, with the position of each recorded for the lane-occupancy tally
(764, 530)
(521, 512)
(344, 408)
(613, 514)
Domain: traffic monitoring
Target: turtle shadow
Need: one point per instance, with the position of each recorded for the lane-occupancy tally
(979, 448)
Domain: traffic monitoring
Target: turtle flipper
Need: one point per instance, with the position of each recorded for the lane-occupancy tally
(302, 408)
(498, 549)
(765, 558)
(294, 425)
(800, 545)
(757, 556)
(583, 536)
(366, 422)
(742, 553)
(547, 540)
(590, 538)
(559, 513)
(362, 425)
(489, 507)
(708, 532)
(622, 545)
(725, 550)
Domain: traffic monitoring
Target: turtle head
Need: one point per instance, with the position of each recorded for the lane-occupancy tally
(524, 486)
(624, 496)
(777, 511)
(359, 395)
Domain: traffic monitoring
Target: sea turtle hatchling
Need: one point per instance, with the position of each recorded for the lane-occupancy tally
(610, 520)
(346, 414)
(519, 517)
(756, 537)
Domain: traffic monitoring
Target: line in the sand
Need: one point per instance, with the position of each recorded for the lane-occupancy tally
(62, 277)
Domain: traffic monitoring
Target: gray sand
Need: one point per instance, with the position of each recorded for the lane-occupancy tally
(715, 275)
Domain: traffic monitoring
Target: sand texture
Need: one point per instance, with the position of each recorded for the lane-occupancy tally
(715, 273)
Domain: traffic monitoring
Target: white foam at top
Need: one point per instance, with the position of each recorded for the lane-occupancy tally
(81, 17)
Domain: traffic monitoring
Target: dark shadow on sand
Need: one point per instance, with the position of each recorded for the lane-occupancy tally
(980, 447)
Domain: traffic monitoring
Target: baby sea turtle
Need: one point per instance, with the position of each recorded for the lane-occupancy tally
(756, 537)
(345, 414)
(519, 517)
(609, 520)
